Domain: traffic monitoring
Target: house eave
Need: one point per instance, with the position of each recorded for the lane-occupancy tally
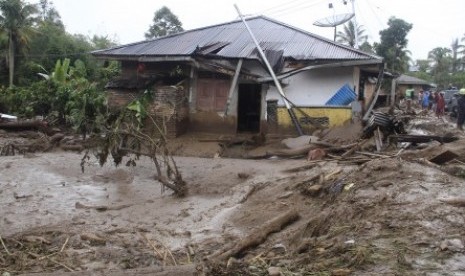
(326, 65)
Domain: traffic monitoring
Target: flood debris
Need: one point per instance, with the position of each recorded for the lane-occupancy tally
(257, 237)
(444, 157)
(415, 139)
(358, 209)
(101, 208)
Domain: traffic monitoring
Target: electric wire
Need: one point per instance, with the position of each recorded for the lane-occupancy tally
(367, 27)
(55, 55)
(295, 8)
(280, 6)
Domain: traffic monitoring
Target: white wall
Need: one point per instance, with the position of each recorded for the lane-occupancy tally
(314, 87)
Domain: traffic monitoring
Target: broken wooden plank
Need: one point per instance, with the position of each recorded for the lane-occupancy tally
(444, 157)
(373, 154)
(399, 138)
(354, 148)
(457, 202)
(378, 141)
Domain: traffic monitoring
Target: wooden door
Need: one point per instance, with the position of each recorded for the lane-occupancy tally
(212, 94)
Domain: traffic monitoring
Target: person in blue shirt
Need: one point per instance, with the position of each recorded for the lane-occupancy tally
(425, 102)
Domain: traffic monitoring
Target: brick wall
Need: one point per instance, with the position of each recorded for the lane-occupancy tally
(118, 98)
(169, 109)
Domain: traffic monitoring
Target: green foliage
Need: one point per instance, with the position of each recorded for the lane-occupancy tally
(423, 65)
(28, 101)
(164, 23)
(86, 109)
(458, 79)
(139, 107)
(393, 44)
(65, 97)
(61, 73)
(367, 47)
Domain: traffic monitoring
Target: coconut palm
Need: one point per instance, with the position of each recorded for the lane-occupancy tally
(441, 60)
(16, 21)
(456, 49)
(347, 36)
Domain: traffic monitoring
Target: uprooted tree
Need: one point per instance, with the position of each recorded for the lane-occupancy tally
(133, 132)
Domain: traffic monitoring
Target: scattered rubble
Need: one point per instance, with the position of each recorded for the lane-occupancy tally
(384, 202)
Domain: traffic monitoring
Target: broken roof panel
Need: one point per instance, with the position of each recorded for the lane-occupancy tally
(236, 43)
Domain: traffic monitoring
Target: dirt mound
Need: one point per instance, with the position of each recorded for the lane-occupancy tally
(388, 216)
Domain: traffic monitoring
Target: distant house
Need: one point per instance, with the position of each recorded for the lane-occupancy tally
(212, 78)
(404, 82)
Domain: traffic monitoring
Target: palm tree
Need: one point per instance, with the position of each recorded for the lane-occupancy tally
(456, 49)
(16, 20)
(441, 60)
(347, 36)
(462, 51)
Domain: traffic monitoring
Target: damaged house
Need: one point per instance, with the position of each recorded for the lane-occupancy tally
(212, 79)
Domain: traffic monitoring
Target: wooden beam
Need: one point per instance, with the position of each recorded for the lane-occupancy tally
(233, 86)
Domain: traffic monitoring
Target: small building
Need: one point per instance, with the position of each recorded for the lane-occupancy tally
(212, 79)
(404, 82)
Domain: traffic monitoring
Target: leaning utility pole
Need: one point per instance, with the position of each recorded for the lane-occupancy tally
(275, 79)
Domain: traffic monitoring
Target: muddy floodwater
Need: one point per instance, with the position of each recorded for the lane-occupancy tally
(394, 213)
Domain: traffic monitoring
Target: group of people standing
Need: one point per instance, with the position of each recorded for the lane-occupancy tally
(435, 101)
(432, 100)
(428, 100)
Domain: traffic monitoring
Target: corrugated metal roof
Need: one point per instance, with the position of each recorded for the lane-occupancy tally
(406, 79)
(237, 43)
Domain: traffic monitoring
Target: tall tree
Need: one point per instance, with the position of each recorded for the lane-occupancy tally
(455, 50)
(462, 52)
(347, 35)
(164, 23)
(16, 20)
(423, 65)
(441, 61)
(393, 44)
(440, 57)
(49, 14)
(367, 47)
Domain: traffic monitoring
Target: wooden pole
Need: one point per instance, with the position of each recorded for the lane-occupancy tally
(233, 86)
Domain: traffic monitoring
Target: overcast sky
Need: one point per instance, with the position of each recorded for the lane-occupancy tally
(435, 22)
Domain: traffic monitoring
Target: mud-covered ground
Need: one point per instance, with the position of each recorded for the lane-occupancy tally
(389, 215)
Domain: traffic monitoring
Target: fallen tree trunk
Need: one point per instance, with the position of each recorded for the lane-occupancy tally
(259, 235)
(24, 125)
